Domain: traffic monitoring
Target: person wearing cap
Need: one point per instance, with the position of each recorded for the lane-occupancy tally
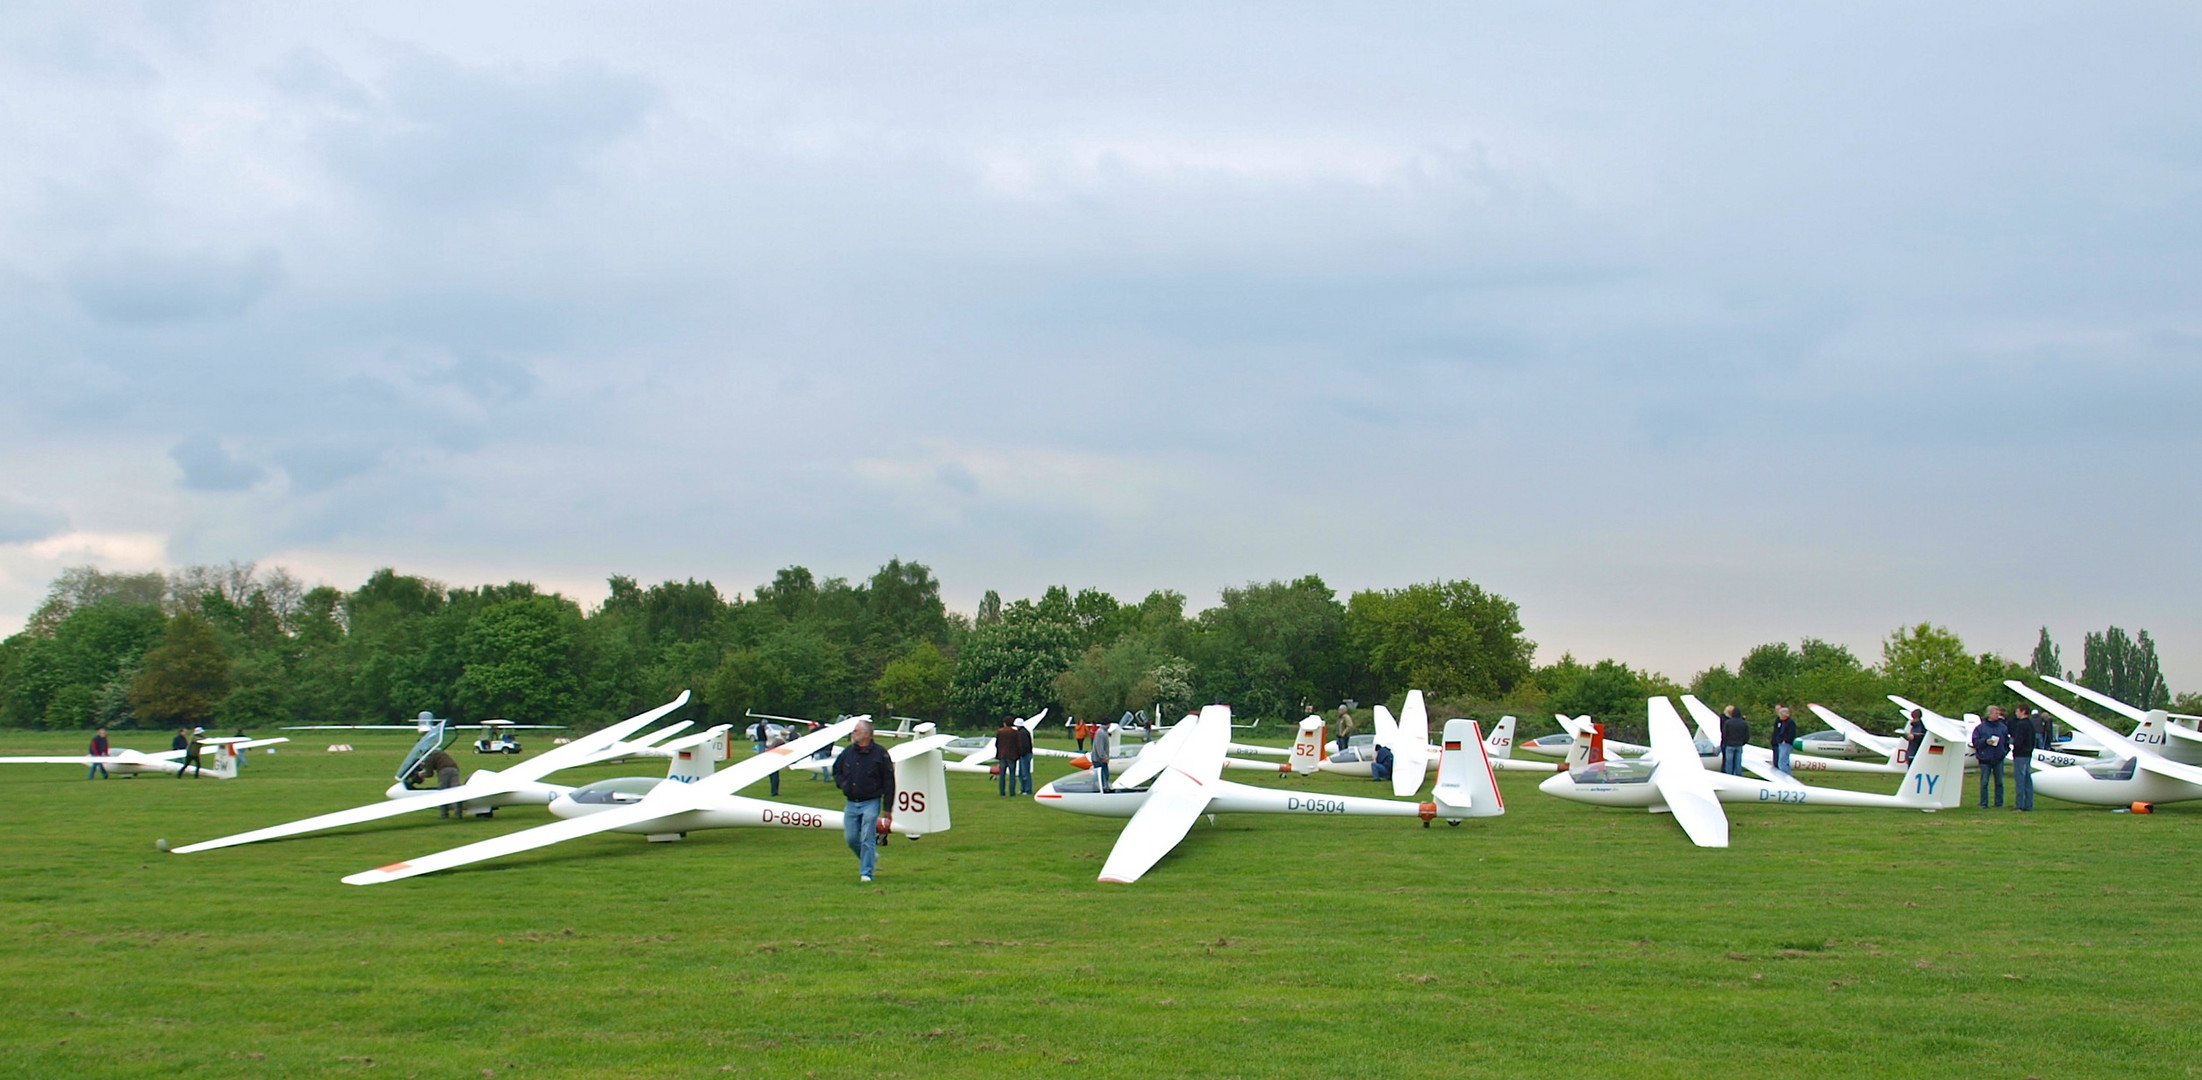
(1785, 737)
(1024, 759)
(1735, 734)
(777, 738)
(1104, 740)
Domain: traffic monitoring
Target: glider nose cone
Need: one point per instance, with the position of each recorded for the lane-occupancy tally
(397, 791)
(1560, 784)
(565, 807)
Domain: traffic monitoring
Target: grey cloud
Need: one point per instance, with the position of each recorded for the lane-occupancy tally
(317, 467)
(144, 289)
(491, 380)
(443, 135)
(22, 522)
(1717, 300)
(207, 466)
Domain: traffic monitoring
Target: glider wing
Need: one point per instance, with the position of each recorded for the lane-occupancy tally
(1175, 800)
(1681, 778)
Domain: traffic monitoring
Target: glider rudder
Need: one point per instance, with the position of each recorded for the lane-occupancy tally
(1465, 787)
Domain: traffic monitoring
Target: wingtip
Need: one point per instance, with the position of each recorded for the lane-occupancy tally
(378, 874)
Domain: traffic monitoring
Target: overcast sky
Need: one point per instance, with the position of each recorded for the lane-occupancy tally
(1686, 327)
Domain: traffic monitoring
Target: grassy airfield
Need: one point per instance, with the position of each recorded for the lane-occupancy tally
(1560, 940)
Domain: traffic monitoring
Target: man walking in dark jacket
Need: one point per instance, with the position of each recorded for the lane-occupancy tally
(100, 749)
(1785, 737)
(2022, 759)
(1991, 742)
(1735, 734)
(866, 777)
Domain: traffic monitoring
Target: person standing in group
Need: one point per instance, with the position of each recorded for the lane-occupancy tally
(2045, 730)
(1345, 726)
(1078, 730)
(1024, 759)
(866, 777)
(759, 736)
(1005, 758)
(2022, 759)
(1735, 734)
(188, 742)
(1991, 741)
(100, 749)
(1104, 741)
(1785, 737)
(777, 739)
(1914, 734)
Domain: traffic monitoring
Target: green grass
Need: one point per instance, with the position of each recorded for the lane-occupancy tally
(1559, 940)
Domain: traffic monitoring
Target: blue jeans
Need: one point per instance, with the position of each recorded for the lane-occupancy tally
(2022, 781)
(1024, 774)
(1987, 770)
(1005, 781)
(1781, 756)
(98, 769)
(860, 827)
(1731, 760)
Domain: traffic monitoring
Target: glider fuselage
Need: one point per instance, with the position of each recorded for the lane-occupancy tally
(1229, 798)
(2112, 782)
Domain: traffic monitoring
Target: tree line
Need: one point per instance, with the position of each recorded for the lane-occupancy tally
(237, 646)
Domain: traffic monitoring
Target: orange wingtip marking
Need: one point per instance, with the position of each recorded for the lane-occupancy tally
(392, 868)
(1117, 880)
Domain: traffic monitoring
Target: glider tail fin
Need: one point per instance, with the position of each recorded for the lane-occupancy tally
(225, 762)
(697, 756)
(1500, 743)
(921, 794)
(1307, 750)
(1936, 778)
(1465, 787)
(1578, 752)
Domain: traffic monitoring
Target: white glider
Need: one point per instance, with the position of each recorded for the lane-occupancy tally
(671, 810)
(1409, 739)
(975, 753)
(1674, 778)
(1186, 768)
(422, 723)
(2130, 771)
(1760, 759)
(135, 763)
(2152, 727)
(517, 785)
